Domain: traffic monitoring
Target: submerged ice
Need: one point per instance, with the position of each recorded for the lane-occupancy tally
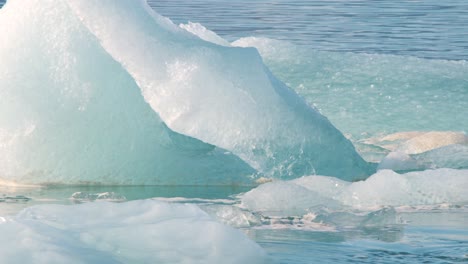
(88, 99)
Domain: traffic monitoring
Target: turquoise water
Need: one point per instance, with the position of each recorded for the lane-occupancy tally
(152, 137)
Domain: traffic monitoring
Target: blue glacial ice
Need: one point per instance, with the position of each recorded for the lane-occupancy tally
(89, 99)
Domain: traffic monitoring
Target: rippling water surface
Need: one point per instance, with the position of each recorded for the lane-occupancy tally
(425, 28)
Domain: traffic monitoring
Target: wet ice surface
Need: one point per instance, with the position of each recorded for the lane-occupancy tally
(140, 231)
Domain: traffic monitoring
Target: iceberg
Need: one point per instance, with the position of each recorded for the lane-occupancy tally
(87, 99)
(70, 114)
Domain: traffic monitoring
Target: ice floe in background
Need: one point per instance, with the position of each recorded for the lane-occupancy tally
(423, 150)
(416, 142)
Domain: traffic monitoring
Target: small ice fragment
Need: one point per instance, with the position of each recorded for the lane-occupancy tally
(81, 197)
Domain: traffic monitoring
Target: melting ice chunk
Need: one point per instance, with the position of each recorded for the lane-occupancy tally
(145, 231)
(105, 196)
(385, 188)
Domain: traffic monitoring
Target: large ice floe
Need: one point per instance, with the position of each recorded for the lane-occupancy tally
(144, 231)
(111, 92)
